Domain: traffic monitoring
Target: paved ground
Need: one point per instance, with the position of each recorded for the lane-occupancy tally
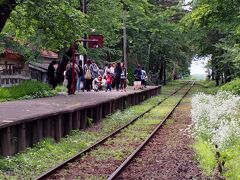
(14, 111)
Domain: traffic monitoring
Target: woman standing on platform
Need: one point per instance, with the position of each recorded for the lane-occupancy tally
(51, 74)
(95, 69)
(118, 72)
(88, 75)
(70, 71)
(80, 77)
(123, 81)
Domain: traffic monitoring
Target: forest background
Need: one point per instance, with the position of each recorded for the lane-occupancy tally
(162, 35)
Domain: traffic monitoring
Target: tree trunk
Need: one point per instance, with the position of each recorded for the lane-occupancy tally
(217, 76)
(165, 72)
(6, 8)
(222, 78)
(213, 73)
(227, 74)
(161, 72)
(174, 72)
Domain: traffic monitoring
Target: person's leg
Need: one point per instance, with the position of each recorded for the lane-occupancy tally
(121, 84)
(69, 86)
(124, 84)
(87, 84)
(91, 80)
(117, 83)
(83, 83)
(113, 82)
(110, 87)
(78, 84)
(107, 87)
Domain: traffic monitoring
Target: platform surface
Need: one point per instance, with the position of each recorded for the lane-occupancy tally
(18, 111)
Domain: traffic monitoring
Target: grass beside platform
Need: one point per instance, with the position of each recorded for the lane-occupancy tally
(27, 90)
(47, 154)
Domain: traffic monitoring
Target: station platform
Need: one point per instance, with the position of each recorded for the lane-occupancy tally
(25, 122)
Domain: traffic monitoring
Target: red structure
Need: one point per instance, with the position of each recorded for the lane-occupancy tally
(96, 41)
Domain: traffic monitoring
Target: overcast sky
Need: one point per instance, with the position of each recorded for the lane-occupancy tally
(198, 65)
(197, 68)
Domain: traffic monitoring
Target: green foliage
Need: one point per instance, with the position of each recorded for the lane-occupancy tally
(26, 90)
(205, 156)
(153, 32)
(208, 86)
(233, 86)
(52, 24)
(89, 121)
(28, 52)
(206, 83)
(231, 157)
(4, 93)
(61, 89)
(214, 27)
(105, 17)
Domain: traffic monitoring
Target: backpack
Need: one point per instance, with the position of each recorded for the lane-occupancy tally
(69, 73)
(88, 74)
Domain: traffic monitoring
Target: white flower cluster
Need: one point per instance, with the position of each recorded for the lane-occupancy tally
(216, 118)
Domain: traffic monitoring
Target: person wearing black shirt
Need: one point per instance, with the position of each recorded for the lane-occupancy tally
(51, 74)
(118, 72)
(138, 73)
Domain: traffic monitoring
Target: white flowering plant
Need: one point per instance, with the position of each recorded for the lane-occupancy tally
(216, 118)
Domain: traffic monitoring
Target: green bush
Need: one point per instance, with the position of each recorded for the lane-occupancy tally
(4, 94)
(233, 86)
(61, 88)
(231, 157)
(205, 156)
(26, 90)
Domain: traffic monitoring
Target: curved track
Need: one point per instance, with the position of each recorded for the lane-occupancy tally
(52, 171)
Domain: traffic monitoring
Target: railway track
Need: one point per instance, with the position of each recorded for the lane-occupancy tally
(121, 168)
(49, 173)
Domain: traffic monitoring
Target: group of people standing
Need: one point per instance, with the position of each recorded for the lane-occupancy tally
(91, 77)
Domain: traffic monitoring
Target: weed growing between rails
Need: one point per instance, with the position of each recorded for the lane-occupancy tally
(216, 121)
(47, 153)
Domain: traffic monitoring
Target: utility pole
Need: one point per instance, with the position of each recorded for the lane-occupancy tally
(84, 10)
(124, 40)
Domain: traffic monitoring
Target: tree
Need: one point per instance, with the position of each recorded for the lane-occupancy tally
(52, 24)
(155, 38)
(6, 7)
(216, 25)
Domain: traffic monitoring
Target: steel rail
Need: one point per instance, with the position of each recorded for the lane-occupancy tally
(135, 153)
(81, 153)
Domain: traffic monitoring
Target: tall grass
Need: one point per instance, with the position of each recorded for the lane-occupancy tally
(27, 90)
